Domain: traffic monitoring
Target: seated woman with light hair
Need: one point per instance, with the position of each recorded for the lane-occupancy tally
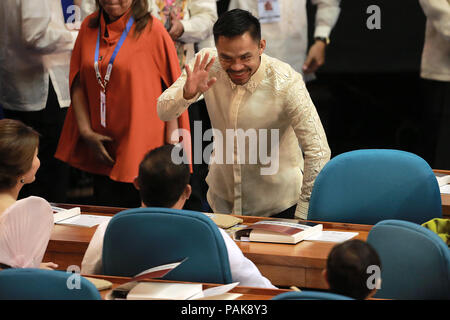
(26, 224)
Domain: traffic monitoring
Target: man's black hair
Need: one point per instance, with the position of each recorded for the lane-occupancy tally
(347, 268)
(236, 22)
(161, 181)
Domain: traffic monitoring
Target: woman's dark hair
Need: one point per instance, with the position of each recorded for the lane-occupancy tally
(139, 10)
(236, 22)
(18, 144)
(347, 268)
(162, 181)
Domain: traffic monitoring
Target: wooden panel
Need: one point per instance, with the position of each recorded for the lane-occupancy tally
(284, 276)
(315, 279)
(64, 260)
(445, 205)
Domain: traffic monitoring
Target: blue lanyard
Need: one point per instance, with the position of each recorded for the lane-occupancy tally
(124, 35)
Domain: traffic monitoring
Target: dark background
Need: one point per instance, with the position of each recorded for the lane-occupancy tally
(369, 92)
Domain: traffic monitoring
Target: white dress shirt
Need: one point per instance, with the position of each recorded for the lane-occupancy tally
(436, 51)
(287, 39)
(275, 98)
(242, 269)
(30, 30)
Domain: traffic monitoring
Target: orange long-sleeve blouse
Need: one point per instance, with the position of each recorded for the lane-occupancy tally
(143, 65)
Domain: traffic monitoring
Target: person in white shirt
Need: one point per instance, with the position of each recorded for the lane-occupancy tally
(435, 72)
(163, 183)
(284, 26)
(35, 47)
(249, 93)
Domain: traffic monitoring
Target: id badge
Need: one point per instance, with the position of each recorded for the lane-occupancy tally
(269, 11)
(103, 109)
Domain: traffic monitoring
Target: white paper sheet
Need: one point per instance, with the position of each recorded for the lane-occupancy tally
(214, 291)
(445, 189)
(85, 220)
(332, 236)
(61, 214)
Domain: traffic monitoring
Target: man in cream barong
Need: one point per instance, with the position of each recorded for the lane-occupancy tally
(245, 89)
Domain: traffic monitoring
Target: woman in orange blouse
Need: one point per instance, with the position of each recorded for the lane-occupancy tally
(112, 124)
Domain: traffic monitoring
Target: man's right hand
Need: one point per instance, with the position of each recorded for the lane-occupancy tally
(97, 143)
(197, 80)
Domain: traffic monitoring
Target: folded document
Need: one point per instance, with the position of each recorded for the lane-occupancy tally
(73, 217)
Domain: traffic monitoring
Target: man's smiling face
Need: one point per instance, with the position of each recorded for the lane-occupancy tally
(240, 56)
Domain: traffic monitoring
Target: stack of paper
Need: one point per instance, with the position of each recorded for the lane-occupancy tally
(442, 178)
(73, 217)
(444, 182)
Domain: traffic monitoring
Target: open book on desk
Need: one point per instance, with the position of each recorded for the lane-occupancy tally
(180, 291)
(277, 231)
(73, 217)
(135, 290)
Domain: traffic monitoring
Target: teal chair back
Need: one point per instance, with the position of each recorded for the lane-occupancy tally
(310, 295)
(368, 186)
(415, 261)
(39, 284)
(138, 239)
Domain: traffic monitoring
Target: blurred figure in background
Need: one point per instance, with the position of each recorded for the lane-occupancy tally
(284, 26)
(35, 48)
(435, 71)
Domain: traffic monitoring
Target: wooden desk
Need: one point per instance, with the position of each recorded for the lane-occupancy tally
(300, 265)
(445, 198)
(285, 265)
(248, 293)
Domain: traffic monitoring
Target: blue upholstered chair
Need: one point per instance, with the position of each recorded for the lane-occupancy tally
(415, 261)
(310, 295)
(367, 186)
(138, 239)
(38, 284)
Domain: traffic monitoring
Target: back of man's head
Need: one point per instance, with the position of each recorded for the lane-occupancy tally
(161, 181)
(236, 22)
(347, 268)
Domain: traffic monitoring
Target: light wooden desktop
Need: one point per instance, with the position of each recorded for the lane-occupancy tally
(298, 265)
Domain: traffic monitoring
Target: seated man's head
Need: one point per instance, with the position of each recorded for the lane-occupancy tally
(348, 269)
(161, 182)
